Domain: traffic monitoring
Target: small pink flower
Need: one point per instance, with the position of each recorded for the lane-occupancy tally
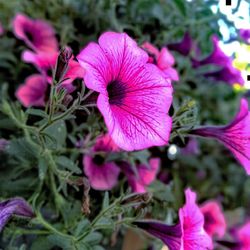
(163, 59)
(192, 221)
(102, 175)
(46, 63)
(33, 91)
(235, 136)
(243, 235)
(188, 234)
(145, 175)
(215, 223)
(36, 33)
(134, 97)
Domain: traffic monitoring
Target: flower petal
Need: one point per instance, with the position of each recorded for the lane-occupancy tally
(32, 93)
(101, 177)
(37, 34)
(141, 120)
(192, 221)
(14, 206)
(215, 223)
(170, 235)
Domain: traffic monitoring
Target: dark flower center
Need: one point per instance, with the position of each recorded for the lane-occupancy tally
(208, 220)
(49, 72)
(29, 35)
(116, 92)
(98, 160)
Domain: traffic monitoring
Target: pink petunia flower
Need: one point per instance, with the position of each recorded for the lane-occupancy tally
(163, 59)
(235, 136)
(241, 238)
(215, 223)
(243, 235)
(46, 63)
(192, 221)
(102, 175)
(188, 234)
(36, 33)
(145, 175)
(134, 97)
(227, 72)
(33, 91)
(217, 57)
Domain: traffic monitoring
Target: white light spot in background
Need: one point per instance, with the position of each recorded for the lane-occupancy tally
(172, 151)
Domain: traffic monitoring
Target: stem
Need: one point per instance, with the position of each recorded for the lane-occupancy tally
(48, 226)
(97, 218)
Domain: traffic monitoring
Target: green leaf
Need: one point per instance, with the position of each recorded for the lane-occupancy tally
(180, 4)
(105, 202)
(36, 112)
(68, 164)
(93, 238)
(42, 168)
(83, 224)
(60, 241)
(58, 132)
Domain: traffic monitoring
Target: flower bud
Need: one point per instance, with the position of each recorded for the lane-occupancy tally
(62, 64)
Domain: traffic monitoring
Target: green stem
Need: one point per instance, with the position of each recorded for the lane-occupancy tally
(97, 218)
(48, 226)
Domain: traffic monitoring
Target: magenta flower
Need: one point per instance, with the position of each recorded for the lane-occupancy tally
(102, 175)
(226, 71)
(145, 175)
(46, 63)
(235, 136)
(227, 74)
(134, 97)
(14, 206)
(36, 33)
(245, 35)
(163, 59)
(188, 234)
(192, 221)
(33, 91)
(215, 223)
(184, 46)
(217, 57)
(243, 235)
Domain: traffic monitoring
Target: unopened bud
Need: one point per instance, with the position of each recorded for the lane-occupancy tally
(62, 63)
